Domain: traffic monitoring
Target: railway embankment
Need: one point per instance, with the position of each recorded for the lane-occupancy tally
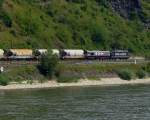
(75, 75)
(74, 72)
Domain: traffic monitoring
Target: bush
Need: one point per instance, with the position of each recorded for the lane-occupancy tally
(6, 18)
(147, 68)
(141, 74)
(48, 64)
(125, 74)
(3, 80)
(1, 3)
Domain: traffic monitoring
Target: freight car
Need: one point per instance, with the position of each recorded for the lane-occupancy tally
(56, 52)
(39, 52)
(1, 53)
(120, 54)
(72, 54)
(18, 54)
(97, 54)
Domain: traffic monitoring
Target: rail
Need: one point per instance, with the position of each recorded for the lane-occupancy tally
(18, 63)
(105, 61)
(23, 63)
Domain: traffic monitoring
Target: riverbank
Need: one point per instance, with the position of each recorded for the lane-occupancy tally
(82, 82)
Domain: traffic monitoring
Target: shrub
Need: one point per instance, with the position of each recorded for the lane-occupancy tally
(1, 3)
(141, 74)
(58, 73)
(48, 64)
(6, 18)
(3, 80)
(125, 74)
(147, 68)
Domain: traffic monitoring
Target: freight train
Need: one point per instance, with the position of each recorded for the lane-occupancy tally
(94, 54)
(64, 54)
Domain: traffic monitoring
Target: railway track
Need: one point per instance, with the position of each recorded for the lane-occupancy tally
(18, 63)
(23, 63)
(105, 61)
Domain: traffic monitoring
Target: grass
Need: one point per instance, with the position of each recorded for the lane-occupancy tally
(66, 79)
(100, 68)
(71, 24)
(24, 73)
(68, 73)
(93, 78)
(97, 71)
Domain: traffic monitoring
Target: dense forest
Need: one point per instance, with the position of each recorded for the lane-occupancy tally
(86, 24)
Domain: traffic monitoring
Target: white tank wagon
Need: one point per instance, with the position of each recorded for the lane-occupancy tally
(72, 54)
(56, 52)
(1, 53)
(39, 52)
(19, 54)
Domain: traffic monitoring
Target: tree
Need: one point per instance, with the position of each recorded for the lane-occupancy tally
(48, 64)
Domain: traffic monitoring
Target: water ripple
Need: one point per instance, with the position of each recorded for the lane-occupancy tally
(77, 103)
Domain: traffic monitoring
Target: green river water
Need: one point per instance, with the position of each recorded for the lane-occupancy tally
(77, 103)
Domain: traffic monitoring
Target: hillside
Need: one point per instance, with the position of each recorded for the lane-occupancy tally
(87, 24)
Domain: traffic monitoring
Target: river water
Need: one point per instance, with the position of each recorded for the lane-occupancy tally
(77, 103)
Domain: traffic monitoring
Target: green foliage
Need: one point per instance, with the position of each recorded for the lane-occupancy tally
(3, 80)
(1, 3)
(126, 74)
(48, 64)
(6, 18)
(141, 74)
(87, 24)
(147, 68)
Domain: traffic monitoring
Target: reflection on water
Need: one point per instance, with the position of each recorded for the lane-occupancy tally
(77, 103)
